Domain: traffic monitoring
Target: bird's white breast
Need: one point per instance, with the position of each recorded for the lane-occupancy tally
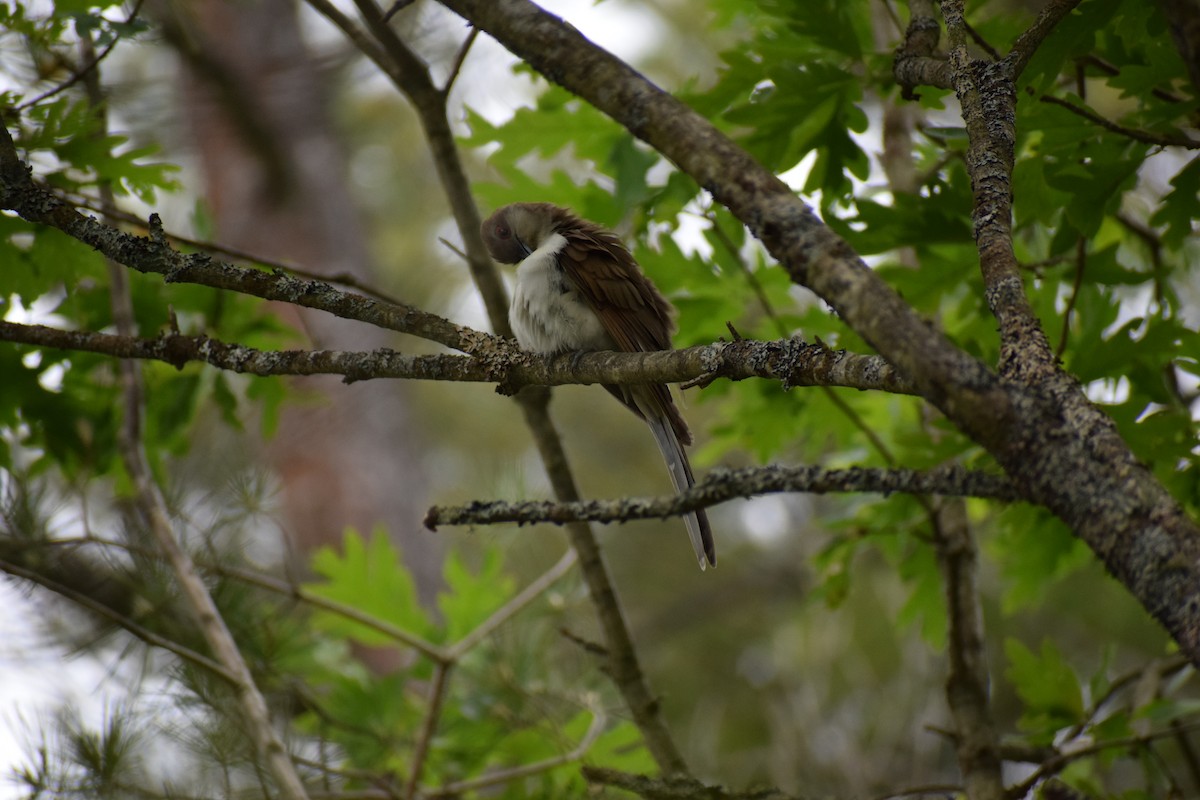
(547, 313)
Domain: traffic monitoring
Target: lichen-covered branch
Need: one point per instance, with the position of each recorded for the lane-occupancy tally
(916, 62)
(153, 255)
(791, 362)
(720, 485)
(987, 93)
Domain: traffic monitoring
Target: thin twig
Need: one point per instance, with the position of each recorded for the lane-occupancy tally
(437, 695)
(459, 788)
(941, 789)
(453, 248)
(89, 65)
(1145, 137)
(978, 39)
(341, 278)
(760, 293)
(514, 606)
(398, 6)
(1111, 70)
(101, 610)
(1056, 764)
(459, 59)
(890, 11)
(370, 621)
(1154, 242)
(1188, 752)
(1080, 267)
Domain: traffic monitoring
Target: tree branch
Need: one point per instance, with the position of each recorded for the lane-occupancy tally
(916, 63)
(721, 485)
(87, 67)
(791, 362)
(1033, 36)
(153, 255)
(674, 788)
(1145, 137)
(456, 789)
(380, 626)
(151, 506)
(987, 94)
(967, 685)
(437, 695)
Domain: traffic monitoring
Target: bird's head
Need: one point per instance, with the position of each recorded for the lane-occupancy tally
(515, 231)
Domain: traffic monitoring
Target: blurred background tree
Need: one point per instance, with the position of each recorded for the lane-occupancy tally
(310, 140)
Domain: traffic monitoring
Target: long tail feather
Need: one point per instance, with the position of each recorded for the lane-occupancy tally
(681, 476)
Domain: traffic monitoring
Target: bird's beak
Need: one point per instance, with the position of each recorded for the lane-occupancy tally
(524, 247)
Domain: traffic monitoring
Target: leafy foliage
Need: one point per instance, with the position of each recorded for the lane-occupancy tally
(1104, 227)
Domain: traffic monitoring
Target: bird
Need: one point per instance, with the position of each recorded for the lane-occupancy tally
(579, 289)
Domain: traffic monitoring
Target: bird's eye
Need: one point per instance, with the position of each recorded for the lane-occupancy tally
(502, 232)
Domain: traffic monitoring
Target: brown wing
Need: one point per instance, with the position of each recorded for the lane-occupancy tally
(630, 307)
(632, 310)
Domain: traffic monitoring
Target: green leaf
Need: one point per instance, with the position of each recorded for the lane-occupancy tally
(369, 576)
(926, 603)
(629, 162)
(1178, 211)
(469, 598)
(1048, 687)
(1035, 550)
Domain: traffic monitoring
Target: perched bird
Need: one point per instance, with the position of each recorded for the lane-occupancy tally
(577, 289)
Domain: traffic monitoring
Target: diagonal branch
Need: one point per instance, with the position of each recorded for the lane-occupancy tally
(153, 255)
(151, 506)
(1145, 137)
(87, 67)
(1032, 37)
(456, 789)
(107, 612)
(987, 93)
(721, 485)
